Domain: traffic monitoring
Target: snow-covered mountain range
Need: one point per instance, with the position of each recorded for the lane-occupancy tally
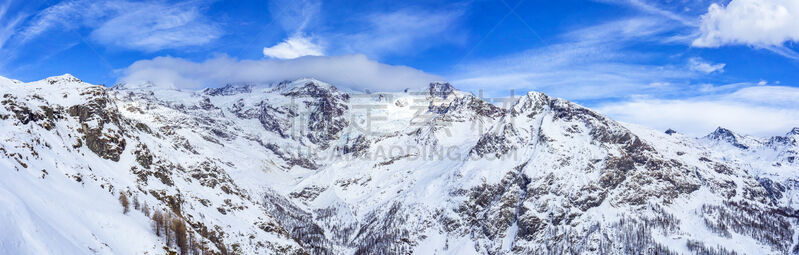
(302, 167)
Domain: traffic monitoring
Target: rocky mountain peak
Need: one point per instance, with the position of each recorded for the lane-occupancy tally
(790, 138)
(670, 131)
(441, 89)
(535, 102)
(306, 88)
(229, 89)
(138, 86)
(531, 100)
(722, 134)
(726, 135)
(62, 79)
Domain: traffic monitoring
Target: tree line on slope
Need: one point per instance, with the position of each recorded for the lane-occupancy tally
(169, 226)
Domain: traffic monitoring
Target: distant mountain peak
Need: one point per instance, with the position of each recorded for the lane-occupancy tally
(139, 86)
(304, 86)
(229, 89)
(794, 131)
(726, 135)
(64, 78)
(670, 131)
(531, 100)
(441, 89)
(722, 133)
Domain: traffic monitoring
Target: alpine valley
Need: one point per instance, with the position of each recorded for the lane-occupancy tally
(303, 167)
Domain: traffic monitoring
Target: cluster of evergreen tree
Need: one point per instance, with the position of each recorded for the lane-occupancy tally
(384, 233)
(167, 225)
(300, 225)
(627, 235)
(176, 234)
(768, 226)
(339, 231)
(699, 248)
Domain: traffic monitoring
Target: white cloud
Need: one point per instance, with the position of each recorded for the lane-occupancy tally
(294, 47)
(761, 23)
(762, 110)
(700, 65)
(146, 26)
(351, 71)
(776, 96)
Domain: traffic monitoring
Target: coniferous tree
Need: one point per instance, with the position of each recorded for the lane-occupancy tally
(192, 249)
(168, 228)
(181, 240)
(158, 220)
(123, 200)
(136, 204)
(145, 209)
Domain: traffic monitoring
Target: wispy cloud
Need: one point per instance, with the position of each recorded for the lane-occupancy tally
(586, 64)
(700, 65)
(9, 24)
(783, 51)
(401, 31)
(294, 47)
(762, 24)
(294, 16)
(145, 26)
(655, 9)
(156, 26)
(351, 71)
(375, 34)
(57, 15)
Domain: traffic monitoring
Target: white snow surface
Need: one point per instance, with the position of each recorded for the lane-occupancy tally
(263, 165)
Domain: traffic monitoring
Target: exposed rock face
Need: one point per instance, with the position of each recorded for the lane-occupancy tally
(229, 90)
(288, 169)
(723, 134)
(441, 89)
(63, 79)
(790, 139)
(320, 114)
(276, 120)
(498, 144)
(94, 116)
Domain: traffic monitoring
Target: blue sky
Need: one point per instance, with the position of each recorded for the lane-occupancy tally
(691, 65)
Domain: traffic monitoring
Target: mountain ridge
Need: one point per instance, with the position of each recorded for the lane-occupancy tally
(437, 172)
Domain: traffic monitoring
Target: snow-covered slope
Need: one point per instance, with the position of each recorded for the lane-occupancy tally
(773, 161)
(304, 167)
